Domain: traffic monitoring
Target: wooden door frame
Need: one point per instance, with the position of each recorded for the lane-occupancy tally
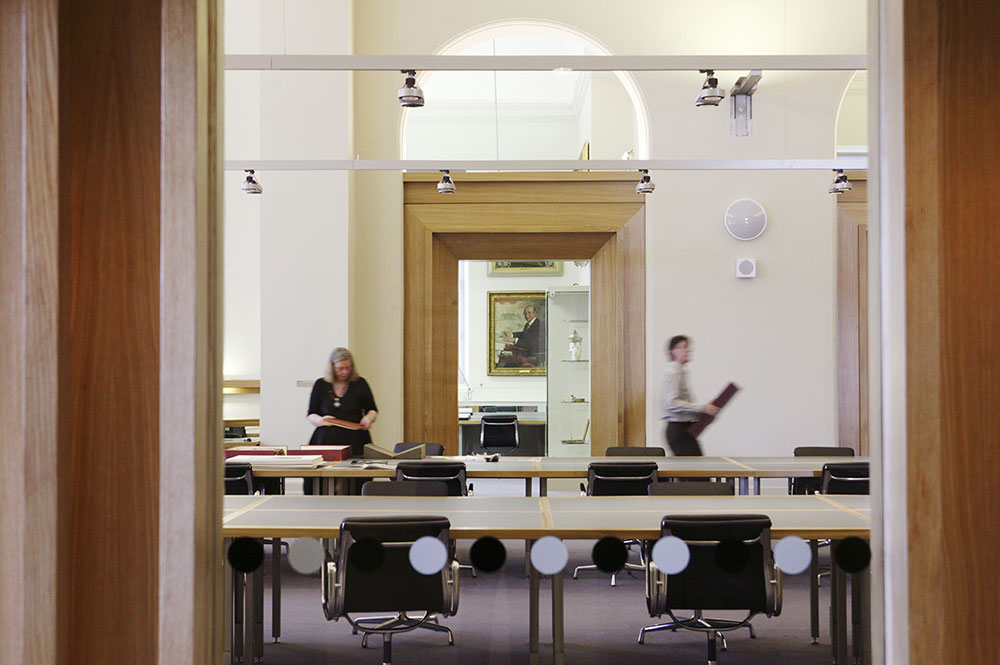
(596, 216)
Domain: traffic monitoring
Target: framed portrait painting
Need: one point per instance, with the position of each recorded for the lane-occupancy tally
(517, 339)
(516, 268)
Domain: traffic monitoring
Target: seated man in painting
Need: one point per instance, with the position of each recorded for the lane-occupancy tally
(524, 347)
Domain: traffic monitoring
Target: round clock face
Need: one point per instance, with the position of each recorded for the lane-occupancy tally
(745, 219)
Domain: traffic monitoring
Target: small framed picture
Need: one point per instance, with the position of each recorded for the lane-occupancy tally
(507, 268)
(517, 338)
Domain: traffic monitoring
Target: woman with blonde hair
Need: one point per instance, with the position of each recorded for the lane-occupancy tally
(341, 394)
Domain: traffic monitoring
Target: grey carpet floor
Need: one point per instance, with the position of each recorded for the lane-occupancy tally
(491, 626)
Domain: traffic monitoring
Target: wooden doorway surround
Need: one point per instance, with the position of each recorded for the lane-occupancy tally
(586, 215)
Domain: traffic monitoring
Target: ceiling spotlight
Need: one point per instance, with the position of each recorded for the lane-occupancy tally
(710, 94)
(410, 95)
(446, 186)
(250, 185)
(840, 183)
(645, 186)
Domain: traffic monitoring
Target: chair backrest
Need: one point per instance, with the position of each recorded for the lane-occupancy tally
(620, 478)
(845, 478)
(635, 451)
(705, 584)
(823, 451)
(393, 586)
(813, 485)
(239, 479)
(713, 488)
(498, 432)
(404, 488)
(451, 473)
(429, 448)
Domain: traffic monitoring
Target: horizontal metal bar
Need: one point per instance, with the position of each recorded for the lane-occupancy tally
(525, 63)
(852, 163)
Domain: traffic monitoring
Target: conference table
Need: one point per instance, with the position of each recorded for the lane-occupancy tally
(743, 470)
(530, 518)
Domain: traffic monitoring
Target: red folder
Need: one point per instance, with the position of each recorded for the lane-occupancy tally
(346, 424)
(698, 426)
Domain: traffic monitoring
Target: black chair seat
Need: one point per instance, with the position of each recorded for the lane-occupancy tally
(635, 451)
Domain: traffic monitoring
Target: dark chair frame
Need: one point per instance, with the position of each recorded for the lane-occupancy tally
(703, 533)
(845, 478)
(635, 451)
(396, 535)
(813, 485)
(498, 420)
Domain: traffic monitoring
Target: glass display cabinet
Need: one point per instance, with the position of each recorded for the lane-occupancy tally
(568, 383)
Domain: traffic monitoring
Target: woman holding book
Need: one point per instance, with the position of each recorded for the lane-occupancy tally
(342, 407)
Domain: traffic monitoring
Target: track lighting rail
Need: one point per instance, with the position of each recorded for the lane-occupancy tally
(527, 63)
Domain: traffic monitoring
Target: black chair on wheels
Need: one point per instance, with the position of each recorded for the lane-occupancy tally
(813, 485)
(706, 585)
(498, 433)
(430, 449)
(452, 474)
(712, 488)
(394, 586)
(238, 479)
(635, 451)
(845, 478)
(618, 479)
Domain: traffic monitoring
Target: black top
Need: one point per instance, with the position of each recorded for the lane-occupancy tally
(356, 402)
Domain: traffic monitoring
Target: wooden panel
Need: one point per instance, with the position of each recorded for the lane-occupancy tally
(31, 622)
(633, 270)
(417, 319)
(848, 372)
(520, 218)
(863, 428)
(483, 247)
(190, 579)
(857, 193)
(527, 192)
(606, 352)
(109, 264)
(440, 396)
(953, 328)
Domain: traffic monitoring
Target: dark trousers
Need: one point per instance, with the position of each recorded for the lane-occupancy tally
(681, 443)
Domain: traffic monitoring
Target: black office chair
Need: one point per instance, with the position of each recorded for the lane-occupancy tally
(635, 451)
(498, 433)
(430, 449)
(451, 474)
(238, 479)
(705, 585)
(845, 478)
(813, 485)
(404, 488)
(618, 479)
(394, 586)
(712, 488)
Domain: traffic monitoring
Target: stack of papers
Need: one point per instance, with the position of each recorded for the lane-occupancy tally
(279, 461)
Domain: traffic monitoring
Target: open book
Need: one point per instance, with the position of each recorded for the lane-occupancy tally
(378, 452)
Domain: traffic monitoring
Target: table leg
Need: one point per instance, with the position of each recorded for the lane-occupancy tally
(276, 588)
(864, 580)
(527, 487)
(558, 644)
(527, 543)
(258, 612)
(838, 609)
(543, 487)
(814, 591)
(249, 591)
(858, 616)
(756, 485)
(533, 616)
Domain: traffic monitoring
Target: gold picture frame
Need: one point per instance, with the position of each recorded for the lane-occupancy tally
(508, 268)
(517, 339)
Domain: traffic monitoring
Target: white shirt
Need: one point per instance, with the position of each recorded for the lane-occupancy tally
(676, 401)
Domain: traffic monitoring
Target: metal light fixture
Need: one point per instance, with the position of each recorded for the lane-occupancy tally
(840, 183)
(710, 94)
(250, 185)
(645, 186)
(446, 186)
(410, 95)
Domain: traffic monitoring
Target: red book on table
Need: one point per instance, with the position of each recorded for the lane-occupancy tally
(698, 426)
(329, 453)
(346, 424)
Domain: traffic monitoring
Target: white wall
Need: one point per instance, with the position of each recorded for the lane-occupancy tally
(286, 250)
(688, 251)
(478, 284)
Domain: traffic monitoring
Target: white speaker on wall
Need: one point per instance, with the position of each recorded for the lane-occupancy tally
(745, 219)
(746, 268)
